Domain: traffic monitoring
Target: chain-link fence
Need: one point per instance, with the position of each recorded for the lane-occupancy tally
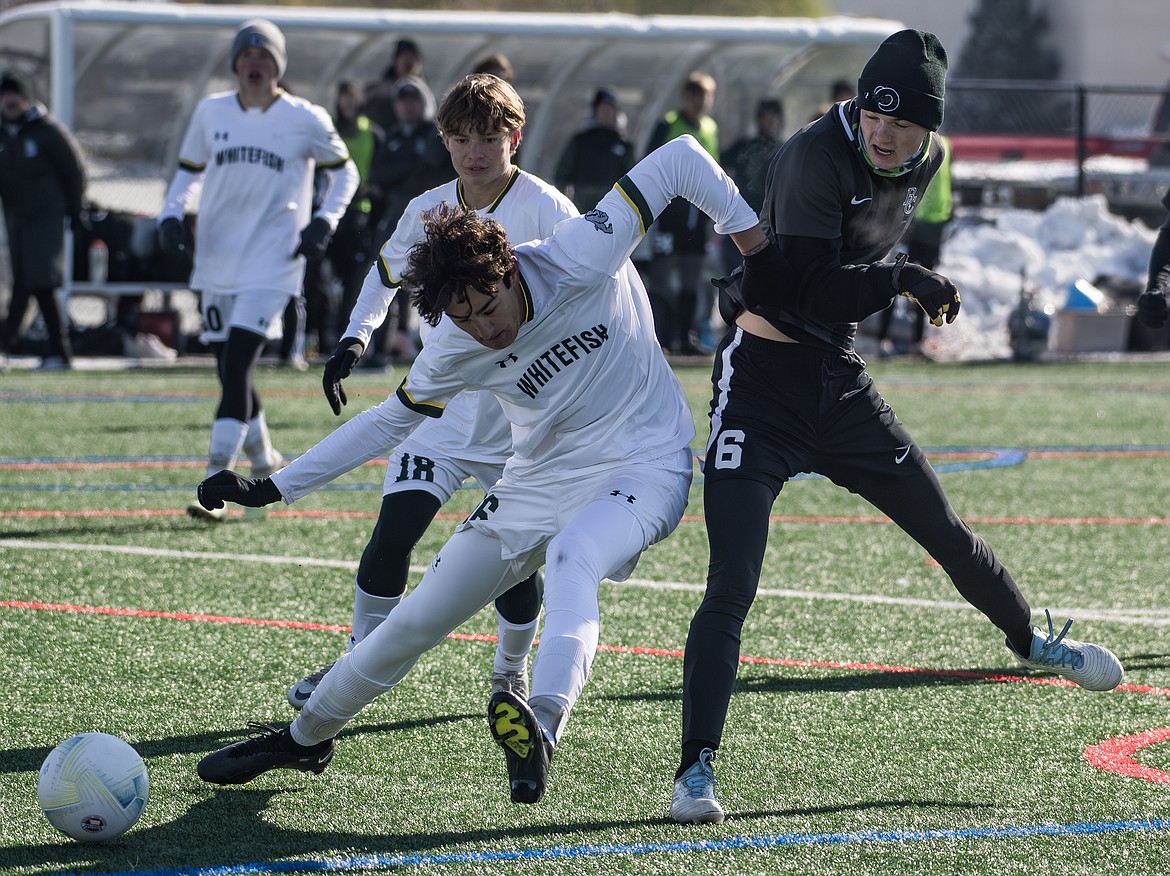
(1092, 138)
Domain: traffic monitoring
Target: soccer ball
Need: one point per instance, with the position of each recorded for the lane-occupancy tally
(93, 787)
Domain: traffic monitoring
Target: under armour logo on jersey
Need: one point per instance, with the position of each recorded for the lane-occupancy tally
(629, 497)
(435, 564)
(911, 200)
(220, 135)
(511, 357)
(600, 220)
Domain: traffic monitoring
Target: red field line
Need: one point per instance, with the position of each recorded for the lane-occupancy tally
(674, 653)
(1115, 755)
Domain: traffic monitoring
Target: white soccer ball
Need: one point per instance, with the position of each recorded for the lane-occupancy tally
(93, 787)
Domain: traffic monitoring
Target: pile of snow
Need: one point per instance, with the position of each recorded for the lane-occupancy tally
(990, 256)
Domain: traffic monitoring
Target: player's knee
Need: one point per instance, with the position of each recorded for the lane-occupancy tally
(521, 604)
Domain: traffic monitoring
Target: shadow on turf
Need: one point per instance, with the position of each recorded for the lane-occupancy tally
(854, 681)
(16, 760)
(115, 526)
(205, 834)
(1145, 661)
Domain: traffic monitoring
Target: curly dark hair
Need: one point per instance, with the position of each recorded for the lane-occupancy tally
(462, 250)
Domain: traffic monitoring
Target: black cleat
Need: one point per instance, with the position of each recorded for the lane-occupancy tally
(526, 751)
(274, 749)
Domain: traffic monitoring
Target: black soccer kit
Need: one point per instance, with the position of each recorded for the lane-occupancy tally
(783, 408)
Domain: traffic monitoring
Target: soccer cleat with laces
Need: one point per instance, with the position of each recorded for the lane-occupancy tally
(1091, 666)
(271, 749)
(300, 692)
(694, 793)
(526, 751)
(516, 682)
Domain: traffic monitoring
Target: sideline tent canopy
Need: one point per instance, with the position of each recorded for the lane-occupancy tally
(125, 76)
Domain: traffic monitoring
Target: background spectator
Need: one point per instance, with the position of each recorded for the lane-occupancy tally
(595, 158)
(680, 292)
(407, 61)
(497, 64)
(746, 161)
(356, 241)
(41, 183)
(411, 161)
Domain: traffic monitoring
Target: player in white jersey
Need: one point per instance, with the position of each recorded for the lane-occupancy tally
(255, 151)
(561, 332)
(480, 119)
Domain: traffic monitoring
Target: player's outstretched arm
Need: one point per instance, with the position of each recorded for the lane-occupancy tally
(227, 486)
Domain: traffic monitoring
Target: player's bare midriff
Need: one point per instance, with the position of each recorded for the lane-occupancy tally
(761, 328)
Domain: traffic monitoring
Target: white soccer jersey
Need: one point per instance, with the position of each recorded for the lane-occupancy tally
(584, 385)
(257, 169)
(472, 428)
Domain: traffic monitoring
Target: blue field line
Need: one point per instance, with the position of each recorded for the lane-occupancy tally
(370, 862)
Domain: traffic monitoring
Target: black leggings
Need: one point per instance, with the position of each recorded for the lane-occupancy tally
(385, 563)
(236, 360)
(780, 409)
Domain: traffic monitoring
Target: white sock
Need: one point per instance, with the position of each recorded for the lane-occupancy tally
(342, 693)
(258, 444)
(368, 612)
(514, 643)
(561, 667)
(227, 439)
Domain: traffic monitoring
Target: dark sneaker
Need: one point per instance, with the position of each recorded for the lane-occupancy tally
(526, 751)
(300, 692)
(272, 749)
(516, 682)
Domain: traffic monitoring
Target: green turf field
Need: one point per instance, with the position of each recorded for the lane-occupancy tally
(878, 726)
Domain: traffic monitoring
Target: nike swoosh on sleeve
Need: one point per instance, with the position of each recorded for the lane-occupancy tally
(856, 200)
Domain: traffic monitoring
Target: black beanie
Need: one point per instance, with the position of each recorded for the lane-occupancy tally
(11, 82)
(906, 78)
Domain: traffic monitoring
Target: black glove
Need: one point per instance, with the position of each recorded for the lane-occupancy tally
(314, 240)
(1151, 308)
(227, 486)
(172, 238)
(339, 367)
(934, 293)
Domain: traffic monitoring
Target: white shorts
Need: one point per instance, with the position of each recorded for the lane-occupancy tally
(259, 312)
(412, 467)
(525, 518)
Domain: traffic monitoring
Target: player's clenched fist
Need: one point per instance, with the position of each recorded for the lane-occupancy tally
(227, 486)
(934, 293)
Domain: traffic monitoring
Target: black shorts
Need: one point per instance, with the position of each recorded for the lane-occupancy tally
(779, 409)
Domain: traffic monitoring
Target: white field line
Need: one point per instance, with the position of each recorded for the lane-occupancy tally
(1121, 615)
